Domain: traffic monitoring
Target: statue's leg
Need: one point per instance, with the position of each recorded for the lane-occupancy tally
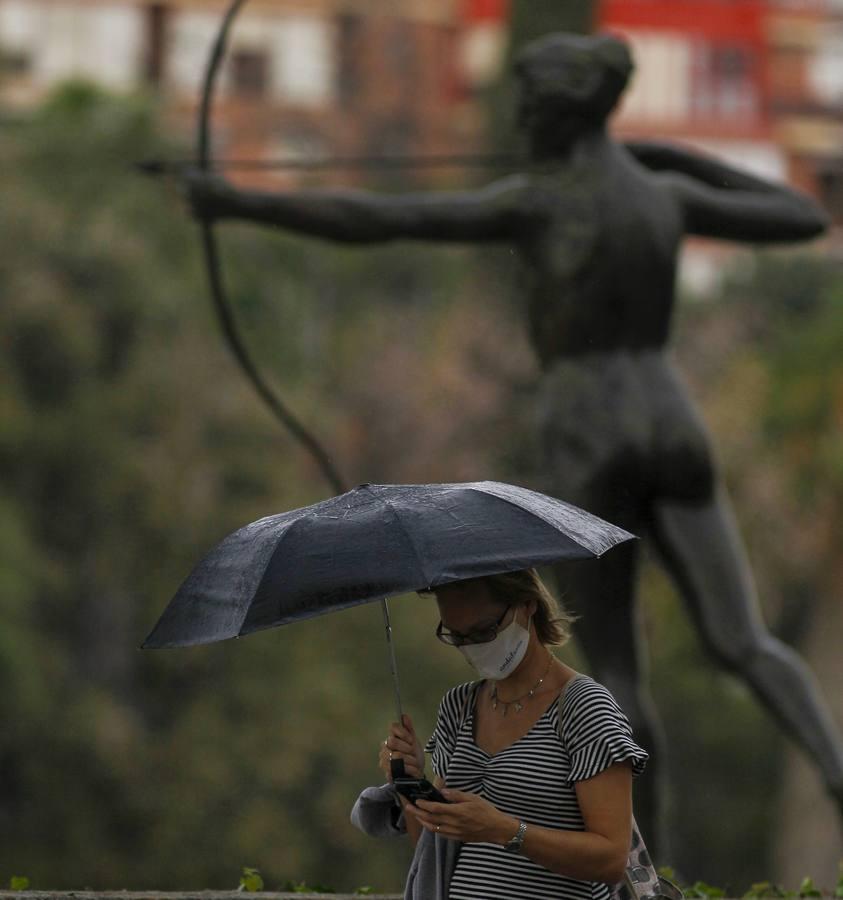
(602, 593)
(595, 422)
(704, 553)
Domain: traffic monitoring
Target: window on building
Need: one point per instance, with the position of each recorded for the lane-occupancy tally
(660, 89)
(825, 69)
(249, 73)
(190, 34)
(304, 61)
(681, 79)
(724, 83)
(19, 29)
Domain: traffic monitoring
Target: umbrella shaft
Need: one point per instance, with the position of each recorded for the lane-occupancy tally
(393, 667)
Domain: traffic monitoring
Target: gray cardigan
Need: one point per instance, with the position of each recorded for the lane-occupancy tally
(378, 813)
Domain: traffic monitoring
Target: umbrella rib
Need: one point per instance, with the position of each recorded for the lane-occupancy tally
(409, 541)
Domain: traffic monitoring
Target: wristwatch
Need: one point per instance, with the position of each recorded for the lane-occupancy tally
(514, 844)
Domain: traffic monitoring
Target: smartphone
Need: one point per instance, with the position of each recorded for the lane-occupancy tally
(418, 789)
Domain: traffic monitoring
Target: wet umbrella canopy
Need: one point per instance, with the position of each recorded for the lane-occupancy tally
(373, 542)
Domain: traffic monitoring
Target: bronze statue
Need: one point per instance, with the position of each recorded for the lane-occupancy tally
(598, 226)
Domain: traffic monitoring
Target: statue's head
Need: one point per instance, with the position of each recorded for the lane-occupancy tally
(571, 77)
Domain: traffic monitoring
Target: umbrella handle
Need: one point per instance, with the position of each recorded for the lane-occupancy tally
(393, 666)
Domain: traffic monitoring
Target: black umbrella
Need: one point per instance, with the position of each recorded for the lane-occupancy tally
(373, 542)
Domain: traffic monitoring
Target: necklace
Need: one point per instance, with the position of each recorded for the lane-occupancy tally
(517, 704)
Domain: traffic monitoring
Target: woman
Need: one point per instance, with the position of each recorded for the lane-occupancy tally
(539, 787)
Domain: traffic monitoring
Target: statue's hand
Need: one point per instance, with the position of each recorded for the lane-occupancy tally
(203, 191)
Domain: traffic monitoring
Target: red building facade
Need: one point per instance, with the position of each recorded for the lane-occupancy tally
(708, 72)
(756, 81)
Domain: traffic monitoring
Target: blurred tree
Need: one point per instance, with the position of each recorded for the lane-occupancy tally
(130, 443)
(799, 471)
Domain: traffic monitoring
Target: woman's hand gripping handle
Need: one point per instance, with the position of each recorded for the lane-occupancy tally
(402, 744)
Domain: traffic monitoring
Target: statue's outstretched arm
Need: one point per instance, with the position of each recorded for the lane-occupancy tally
(499, 211)
(723, 202)
(776, 215)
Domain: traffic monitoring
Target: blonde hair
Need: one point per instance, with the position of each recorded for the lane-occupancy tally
(553, 622)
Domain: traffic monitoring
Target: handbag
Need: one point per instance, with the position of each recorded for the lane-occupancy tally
(641, 881)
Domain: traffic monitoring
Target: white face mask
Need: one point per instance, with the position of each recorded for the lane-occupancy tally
(499, 658)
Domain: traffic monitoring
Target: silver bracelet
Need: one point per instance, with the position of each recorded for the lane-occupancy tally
(515, 843)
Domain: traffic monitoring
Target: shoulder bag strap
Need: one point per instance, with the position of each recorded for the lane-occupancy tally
(470, 694)
(468, 702)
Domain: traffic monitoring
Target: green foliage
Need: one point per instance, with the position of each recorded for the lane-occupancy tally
(761, 364)
(761, 889)
(808, 889)
(701, 889)
(301, 887)
(766, 889)
(251, 880)
(18, 883)
(130, 445)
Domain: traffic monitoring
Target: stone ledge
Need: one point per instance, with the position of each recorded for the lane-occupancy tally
(183, 895)
(198, 895)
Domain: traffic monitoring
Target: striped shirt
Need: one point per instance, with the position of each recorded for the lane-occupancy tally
(532, 779)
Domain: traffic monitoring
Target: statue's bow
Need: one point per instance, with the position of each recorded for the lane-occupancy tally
(212, 259)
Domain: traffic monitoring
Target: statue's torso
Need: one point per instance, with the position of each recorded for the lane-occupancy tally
(600, 270)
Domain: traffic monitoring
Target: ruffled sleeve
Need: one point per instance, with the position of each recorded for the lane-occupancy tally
(595, 731)
(442, 742)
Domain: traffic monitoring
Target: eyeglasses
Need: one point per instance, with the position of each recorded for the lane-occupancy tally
(481, 636)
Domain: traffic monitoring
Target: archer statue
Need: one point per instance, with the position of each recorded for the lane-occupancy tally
(597, 226)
